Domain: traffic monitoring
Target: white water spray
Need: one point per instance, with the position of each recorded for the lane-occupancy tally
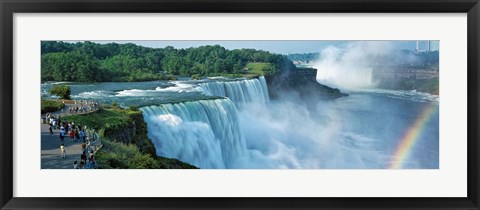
(350, 67)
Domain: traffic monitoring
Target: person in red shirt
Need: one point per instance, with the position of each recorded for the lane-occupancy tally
(72, 135)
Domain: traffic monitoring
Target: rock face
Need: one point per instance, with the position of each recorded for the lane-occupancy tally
(300, 83)
(133, 132)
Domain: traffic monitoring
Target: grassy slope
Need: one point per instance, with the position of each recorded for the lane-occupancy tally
(101, 119)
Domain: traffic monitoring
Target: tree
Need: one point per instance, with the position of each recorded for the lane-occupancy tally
(62, 91)
(93, 62)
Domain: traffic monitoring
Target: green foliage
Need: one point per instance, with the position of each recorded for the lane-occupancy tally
(51, 105)
(92, 62)
(133, 108)
(115, 155)
(115, 105)
(70, 66)
(62, 91)
(196, 77)
(121, 156)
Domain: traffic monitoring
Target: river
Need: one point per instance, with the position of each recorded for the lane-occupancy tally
(232, 123)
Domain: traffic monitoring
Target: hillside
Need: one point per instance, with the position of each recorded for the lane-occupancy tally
(93, 62)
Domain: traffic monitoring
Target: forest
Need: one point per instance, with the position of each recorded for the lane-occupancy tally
(94, 62)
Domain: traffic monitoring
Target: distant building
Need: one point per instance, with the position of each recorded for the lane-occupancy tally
(427, 46)
(434, 46)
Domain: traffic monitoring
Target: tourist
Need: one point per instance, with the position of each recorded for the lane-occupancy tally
(75, 165)
(62, 134)
(72, 135)
(66, 127)
(91, 158)
(83, 157)
(63, 152)
(82, 135)
(77, 135)
(89, 165)
(82, 164)
(84, 147)
(50, 129)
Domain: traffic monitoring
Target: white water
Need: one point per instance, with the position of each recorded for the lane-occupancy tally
(240, 92)
(358, 131)
(349, 67)
(204, 133)
(178, 87)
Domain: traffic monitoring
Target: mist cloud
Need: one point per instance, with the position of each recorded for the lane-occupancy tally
(350, 67)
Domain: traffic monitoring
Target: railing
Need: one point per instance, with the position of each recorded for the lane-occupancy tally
(85, 107)
(96, 143)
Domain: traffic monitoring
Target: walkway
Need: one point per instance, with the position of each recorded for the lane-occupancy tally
(51, 158)
(50, 146)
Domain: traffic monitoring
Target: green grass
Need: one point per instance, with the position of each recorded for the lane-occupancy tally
(260, 69)
(51, 105)
(105, 117)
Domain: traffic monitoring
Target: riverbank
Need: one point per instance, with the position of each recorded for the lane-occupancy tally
(430, 85)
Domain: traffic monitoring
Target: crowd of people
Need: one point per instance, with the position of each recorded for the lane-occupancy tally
(76, 133)
(83, 106)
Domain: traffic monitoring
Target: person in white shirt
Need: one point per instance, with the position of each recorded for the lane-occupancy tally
(62, 149)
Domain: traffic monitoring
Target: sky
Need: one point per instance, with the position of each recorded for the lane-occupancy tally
(281, 47)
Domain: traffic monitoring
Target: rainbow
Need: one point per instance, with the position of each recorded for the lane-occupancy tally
(410, 137)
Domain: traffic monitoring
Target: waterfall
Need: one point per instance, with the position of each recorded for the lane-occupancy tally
(240, 92)
(204, 133)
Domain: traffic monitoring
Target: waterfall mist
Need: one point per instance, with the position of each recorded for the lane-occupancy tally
(287, 134)
(252, 134)
(350, 67)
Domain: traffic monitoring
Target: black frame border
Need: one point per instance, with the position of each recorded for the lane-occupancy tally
(9, 7)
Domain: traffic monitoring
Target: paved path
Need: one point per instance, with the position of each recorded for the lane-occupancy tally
(50, 146)
(51, 155)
